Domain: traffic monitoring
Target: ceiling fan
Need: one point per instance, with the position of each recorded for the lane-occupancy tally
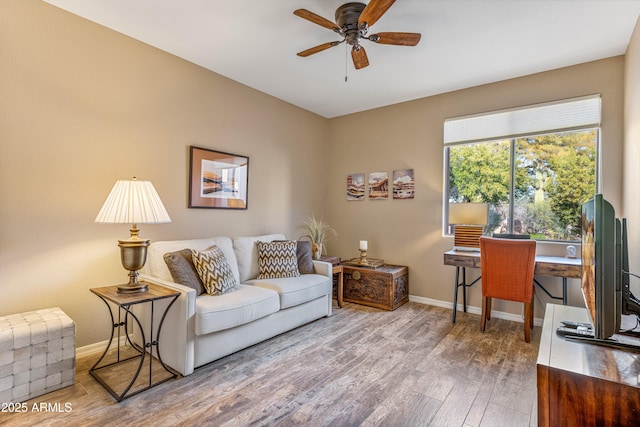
(353, 21)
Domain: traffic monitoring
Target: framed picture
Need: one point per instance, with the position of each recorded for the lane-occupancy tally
(403, 184)
(355, 186)
(379, 185)
(217, 180)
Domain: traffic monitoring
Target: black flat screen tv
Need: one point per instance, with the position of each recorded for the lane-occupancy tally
(605, 275)
(601, 266)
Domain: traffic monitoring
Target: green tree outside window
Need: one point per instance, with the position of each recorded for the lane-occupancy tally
(554, 175)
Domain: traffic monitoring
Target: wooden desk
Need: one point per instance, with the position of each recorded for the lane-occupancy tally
(583, 384)
(545, 265)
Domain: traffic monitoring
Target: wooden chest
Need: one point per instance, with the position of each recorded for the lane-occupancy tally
(385, 287)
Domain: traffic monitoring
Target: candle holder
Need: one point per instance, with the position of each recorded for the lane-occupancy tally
(363, 257)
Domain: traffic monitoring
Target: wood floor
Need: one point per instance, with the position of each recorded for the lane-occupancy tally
(362, 366)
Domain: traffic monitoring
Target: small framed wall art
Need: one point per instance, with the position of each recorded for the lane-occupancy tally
(217, 180)
(403, 184)
(378, 185)
(355, 186)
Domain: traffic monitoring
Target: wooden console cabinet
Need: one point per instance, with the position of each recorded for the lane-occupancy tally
(385, 287)
(583, 384)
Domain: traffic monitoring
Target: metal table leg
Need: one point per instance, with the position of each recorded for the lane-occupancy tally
(464, 286)
(564, 291)
(142, 352)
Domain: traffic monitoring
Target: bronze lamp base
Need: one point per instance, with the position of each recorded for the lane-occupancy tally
(133, 255)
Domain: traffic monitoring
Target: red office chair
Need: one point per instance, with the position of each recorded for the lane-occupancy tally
(507, 273)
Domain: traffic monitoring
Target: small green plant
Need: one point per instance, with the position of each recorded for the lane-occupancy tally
(317, 231)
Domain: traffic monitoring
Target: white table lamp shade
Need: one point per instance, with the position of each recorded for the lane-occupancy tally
(468, 213)
(133, 202)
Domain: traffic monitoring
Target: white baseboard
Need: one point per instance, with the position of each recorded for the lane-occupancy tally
(537, 321)
(97, 348)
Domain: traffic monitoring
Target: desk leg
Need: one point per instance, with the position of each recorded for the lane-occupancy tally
(459, 284)
(564, 290)
(455, 295)
(464, 285)
(464, 289)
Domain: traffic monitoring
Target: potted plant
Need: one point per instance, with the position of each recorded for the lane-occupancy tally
(316, 230)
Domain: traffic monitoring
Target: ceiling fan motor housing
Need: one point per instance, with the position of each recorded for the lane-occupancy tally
(347, 19)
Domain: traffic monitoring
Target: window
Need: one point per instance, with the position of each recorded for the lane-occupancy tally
(534, 182)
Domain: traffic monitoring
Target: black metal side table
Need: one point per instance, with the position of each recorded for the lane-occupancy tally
(124, 302)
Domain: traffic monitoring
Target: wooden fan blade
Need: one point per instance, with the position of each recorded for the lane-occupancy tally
(316, 19)
(359, 57)
(318, 48)
(399, 39)
(373, 11)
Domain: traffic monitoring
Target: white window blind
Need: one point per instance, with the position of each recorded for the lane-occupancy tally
(575, 113)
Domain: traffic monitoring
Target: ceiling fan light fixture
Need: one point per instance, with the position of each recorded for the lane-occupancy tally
(353, 21)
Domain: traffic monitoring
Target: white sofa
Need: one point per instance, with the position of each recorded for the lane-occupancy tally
(199, 329)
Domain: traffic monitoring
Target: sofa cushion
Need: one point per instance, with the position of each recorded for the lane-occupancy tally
(296, 290)
(246, 252)
(277, 260)
(239, 305)
(214, 270)
(156, 266)
(180, 264)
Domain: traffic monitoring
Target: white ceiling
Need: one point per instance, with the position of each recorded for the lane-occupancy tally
(464, 43)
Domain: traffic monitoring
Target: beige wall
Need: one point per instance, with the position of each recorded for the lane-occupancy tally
(632, 152)
(82, 106)
(410, 135)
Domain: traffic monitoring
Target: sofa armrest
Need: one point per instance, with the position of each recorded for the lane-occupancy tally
(176, 341)
(323, 268)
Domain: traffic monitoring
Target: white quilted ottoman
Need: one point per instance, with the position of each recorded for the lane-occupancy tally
(37, 354)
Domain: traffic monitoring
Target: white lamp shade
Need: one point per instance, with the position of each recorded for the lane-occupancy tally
(469, 213)
(133, 202)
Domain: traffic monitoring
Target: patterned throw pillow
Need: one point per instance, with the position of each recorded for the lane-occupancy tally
(277, 260)
(303, 253)
(214, 270)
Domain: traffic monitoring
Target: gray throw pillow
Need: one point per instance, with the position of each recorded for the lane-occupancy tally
(180, 264)
(305, 261)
